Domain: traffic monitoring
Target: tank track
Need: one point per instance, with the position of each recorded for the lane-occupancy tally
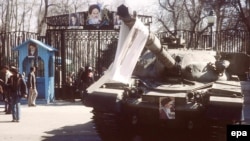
(111, 127)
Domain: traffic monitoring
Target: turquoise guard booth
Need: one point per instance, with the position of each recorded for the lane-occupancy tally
(35, 53)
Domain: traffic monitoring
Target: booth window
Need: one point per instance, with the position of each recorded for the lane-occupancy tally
(38, 62)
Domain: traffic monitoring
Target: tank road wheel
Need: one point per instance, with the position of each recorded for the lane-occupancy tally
(110, 127)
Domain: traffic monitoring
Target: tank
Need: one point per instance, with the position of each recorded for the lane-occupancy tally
(173, 94)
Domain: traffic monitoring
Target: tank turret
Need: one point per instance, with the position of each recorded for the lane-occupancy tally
(199, 66)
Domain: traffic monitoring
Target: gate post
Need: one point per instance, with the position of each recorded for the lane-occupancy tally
(63, 67)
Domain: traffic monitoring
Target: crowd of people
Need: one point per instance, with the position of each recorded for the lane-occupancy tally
(13, 87)
(80, 82)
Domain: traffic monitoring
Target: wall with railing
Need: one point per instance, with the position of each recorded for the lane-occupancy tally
(233, 41)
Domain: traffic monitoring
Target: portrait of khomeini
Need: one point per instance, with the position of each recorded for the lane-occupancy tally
(32, 50)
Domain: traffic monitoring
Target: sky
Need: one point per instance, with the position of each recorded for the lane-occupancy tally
(142, 7)
(133, 5)
(140, 4)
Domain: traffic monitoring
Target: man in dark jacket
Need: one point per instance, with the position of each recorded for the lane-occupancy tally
(18, 89)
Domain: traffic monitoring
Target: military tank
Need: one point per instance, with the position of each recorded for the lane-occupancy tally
(173, 94)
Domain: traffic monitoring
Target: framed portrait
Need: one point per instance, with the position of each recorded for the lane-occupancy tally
(74, 19)
(98, 18)
(94, 15)
(116, 21)
(32, 50)
(167, 108)
(82, 18)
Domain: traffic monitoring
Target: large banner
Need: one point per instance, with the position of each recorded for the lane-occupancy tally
(130, 45)
(128, 51)
(95, 18)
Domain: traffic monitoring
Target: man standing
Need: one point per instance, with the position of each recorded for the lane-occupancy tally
(18, 89)
(32, 87)
(5, 75)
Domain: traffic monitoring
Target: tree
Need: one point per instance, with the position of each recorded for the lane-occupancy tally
(191, 14)
(231, 14)
(171, 18)
(243, 12)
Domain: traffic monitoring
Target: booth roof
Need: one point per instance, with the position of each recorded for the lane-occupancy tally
(39, 43)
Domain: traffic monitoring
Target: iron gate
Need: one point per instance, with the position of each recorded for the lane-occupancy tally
(80, 48)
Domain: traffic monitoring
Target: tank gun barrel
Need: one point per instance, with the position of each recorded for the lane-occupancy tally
(153, 44)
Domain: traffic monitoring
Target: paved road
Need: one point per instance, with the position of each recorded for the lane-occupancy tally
(63, 121)
(59, 121)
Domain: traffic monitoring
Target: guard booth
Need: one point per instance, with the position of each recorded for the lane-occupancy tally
(35, 53)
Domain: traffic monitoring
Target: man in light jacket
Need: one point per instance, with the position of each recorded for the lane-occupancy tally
(32, 87)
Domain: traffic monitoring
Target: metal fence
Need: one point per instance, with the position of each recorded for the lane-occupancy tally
(223, 41)
(96, 48)
(232, 41)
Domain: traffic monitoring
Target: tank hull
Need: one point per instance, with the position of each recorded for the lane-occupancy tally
(129, 115)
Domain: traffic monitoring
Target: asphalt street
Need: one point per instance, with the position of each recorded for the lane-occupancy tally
(57, 121)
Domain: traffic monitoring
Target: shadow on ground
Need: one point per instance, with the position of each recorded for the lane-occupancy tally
(42, 102)
(79, 132)
(86, 132)
(77, 102)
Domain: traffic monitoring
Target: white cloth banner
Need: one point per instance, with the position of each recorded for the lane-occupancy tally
(130, 46)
